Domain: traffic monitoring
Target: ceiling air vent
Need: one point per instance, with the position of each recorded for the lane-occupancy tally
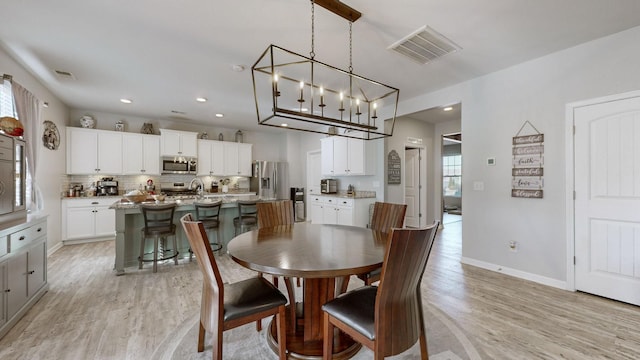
(424, 45)
(64, 75)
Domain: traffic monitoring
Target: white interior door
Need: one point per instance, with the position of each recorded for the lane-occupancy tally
(412, 187)
(607, 199)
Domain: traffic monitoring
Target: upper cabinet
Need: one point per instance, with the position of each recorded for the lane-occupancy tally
(210, 158)
(237, 159)
(178, 143)
(141, 154)
(91, 151)
(347, 157)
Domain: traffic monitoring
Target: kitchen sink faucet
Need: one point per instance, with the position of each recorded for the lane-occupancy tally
(199, 188)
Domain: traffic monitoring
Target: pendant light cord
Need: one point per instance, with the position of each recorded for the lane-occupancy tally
(350, 47)
(312, 54)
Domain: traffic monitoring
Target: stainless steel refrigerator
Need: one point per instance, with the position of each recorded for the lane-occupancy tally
(270, 180)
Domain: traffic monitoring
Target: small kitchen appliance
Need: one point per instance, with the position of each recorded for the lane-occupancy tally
(173, 165)
(107, 187)
(328, 186)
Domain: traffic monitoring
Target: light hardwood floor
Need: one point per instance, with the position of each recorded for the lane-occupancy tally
(89, 313)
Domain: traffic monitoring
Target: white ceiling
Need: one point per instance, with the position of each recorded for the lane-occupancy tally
(163, 54)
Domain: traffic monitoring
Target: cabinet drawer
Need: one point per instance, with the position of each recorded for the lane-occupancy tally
(4, 247)
(26, 236)
(89, 202)
(6, 154)
(344, 202)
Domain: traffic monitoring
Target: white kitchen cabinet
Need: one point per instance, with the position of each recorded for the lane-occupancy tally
(88, 219)
(237, 159)
(340, 210)
(178, 143)
(316, 205)
(91, 151)
(23, 271)
(210, 158)
(347, 157)
(141, 154)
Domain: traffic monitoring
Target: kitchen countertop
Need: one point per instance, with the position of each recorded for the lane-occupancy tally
(356, 195)
(206, 195)
(184, 201)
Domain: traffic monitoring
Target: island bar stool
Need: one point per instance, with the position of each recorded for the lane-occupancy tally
(247, 216)
(158, 224)
(209, 214)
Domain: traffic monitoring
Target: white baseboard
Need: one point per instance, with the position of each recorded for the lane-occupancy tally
(516, 273)
(54, 248)
(84, 241)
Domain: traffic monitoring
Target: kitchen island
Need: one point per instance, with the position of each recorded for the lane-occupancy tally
(129, 222)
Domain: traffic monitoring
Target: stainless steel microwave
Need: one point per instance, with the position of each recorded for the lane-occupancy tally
(328, 186)
(178, 165)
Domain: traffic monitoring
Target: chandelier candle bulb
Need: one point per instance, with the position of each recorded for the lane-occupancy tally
(358, 107)
(375, 115)
(322, 97)
(275, 85)
(301, 100)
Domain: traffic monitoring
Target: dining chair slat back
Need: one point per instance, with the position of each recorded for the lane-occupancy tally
(273, 213)
(386, 216)
(388, 318)
(247, 301)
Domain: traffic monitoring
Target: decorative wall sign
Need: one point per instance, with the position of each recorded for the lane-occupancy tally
(394, 167)
(527, 164)
(50, 135)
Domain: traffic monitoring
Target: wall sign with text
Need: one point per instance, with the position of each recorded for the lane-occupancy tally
(394, 167)
(527, 166)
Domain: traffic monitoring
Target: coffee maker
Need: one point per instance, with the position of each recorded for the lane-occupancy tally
(107, 187)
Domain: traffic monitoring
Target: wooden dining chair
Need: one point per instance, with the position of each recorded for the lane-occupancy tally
(385, 217)
(226, 306)
(387, 318)
(274, 213)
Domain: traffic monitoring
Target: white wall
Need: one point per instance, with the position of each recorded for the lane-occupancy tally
(50, 163)
(494, 107)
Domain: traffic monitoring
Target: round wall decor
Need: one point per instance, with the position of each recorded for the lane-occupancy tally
(50, 135)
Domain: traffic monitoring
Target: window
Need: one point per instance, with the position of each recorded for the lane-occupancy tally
(452, 175)
(7, 108)
(6, 100)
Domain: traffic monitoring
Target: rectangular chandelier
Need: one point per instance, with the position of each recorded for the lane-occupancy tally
(300, 93)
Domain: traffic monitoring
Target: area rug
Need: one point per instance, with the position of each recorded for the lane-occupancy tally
(446, 340)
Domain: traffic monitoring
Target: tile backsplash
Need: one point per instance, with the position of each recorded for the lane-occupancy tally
(131, 182)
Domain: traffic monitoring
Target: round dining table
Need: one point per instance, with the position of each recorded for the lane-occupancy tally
(320, 254)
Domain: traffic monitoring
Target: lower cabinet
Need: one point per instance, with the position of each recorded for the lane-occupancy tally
(23, 271)
(340, 210)
(88, 218)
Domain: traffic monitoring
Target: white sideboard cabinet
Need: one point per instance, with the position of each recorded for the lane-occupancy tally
(23, 269)
(340, 210)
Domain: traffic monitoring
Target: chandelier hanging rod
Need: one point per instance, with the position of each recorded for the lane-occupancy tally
(340, 9)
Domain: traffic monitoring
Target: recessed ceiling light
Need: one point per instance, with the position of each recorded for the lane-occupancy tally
(237, 68)
(219, 115)
(45, 104)
(126, 101)
(284, 124)
(448, 108)
(201, 99)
